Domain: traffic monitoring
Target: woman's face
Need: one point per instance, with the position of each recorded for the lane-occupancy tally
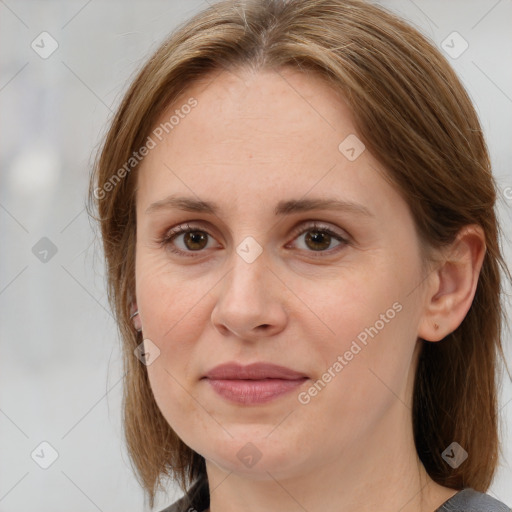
(329, 291)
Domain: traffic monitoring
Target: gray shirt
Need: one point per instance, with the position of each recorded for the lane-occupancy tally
(466, 500)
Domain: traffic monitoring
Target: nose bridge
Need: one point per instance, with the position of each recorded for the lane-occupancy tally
(249, 263)
(245, 282)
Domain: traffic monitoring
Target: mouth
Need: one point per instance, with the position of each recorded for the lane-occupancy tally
(253, 384)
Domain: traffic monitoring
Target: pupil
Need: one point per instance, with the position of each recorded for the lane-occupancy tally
(195, 237)
(316, 238)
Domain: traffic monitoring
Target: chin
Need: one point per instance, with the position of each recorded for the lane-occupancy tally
(254, 456)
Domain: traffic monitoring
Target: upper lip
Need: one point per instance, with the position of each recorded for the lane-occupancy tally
(255, 371)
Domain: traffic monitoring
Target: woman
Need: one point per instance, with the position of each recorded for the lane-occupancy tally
(297, 211)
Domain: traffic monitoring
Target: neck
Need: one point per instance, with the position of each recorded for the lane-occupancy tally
(380, 471)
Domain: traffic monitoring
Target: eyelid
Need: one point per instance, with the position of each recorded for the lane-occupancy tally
(318, 225)
(343, 240)
(170, 234)
(305, 226)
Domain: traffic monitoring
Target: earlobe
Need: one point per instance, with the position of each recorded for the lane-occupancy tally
(135, 317)
(454, 283)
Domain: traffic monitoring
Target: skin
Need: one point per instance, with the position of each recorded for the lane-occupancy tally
(254, 139)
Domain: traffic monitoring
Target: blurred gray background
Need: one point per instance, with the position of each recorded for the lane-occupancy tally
(60, 364)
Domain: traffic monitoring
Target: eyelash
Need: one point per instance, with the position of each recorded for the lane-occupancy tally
(169, 236)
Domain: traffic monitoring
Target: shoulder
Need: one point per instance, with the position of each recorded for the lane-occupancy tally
(466, 500)
(195, 500)
(469, 500)
(178, 506)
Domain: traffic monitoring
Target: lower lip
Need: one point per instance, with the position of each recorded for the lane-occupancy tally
(254, 391)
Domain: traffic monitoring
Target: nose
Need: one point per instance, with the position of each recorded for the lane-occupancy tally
(250, 301)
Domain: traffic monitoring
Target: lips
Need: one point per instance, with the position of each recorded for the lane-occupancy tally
(257, 383)
(255, 371)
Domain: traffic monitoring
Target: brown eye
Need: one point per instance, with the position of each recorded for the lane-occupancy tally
(195, 240)
(318, 240)
(185, 240)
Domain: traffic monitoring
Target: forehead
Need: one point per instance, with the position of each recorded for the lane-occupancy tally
(252, 136)
(259, 92)
(270, 108)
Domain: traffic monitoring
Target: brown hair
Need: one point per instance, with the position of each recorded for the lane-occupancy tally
(413, 114)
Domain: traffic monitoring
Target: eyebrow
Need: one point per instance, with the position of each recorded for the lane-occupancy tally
(288, 207)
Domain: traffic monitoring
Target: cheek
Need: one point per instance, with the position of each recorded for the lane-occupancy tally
(362, 381)
(166, 297)
(176, 401)
(174, 316)
(361, 302)
(367, 356)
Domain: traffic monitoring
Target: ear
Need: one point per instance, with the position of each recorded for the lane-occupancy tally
(453, 284)
(137, 323)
